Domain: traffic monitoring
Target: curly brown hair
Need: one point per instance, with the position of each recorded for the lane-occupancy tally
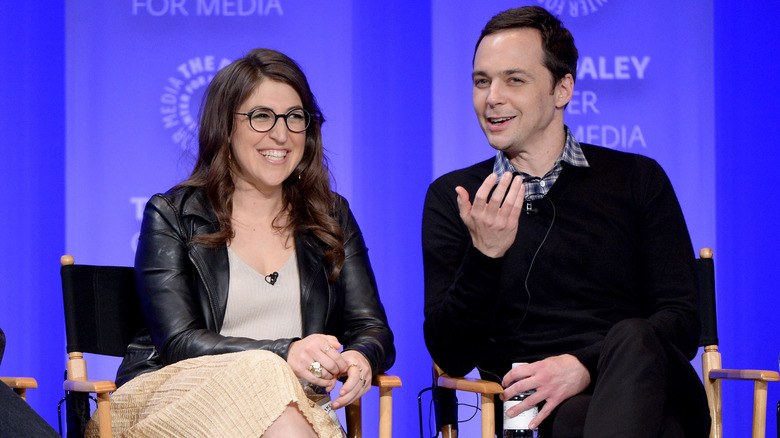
(306, 195)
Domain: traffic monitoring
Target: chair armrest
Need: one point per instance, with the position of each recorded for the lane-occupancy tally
(469, 384)
(386, 381)
(20, 382)
(759, 375)
(89, 386)
(20, 385)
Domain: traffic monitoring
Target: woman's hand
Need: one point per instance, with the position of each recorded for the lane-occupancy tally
(358, 382)
(322, 349)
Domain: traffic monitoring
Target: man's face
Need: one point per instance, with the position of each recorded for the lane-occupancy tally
(514, 98)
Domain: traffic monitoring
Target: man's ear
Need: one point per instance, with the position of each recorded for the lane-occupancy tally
(564, 90)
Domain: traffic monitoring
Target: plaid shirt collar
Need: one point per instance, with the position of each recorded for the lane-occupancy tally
(536, 187)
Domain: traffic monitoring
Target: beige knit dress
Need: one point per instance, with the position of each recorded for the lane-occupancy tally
(225, 395)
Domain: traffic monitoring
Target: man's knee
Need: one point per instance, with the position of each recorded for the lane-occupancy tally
(634, 338)
(633, 330)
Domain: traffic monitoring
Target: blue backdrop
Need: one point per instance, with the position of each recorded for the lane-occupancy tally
(99, 100)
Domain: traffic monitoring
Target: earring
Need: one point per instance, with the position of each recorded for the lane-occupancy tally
(230, 164)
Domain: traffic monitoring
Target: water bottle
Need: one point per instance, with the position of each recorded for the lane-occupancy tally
(517, 427)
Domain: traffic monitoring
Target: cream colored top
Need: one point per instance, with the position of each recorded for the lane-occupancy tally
(259, 310)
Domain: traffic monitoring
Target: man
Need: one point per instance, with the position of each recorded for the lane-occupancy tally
(573, 258)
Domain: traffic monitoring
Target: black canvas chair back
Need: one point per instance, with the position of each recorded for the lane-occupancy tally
(709, 319)
(713, 372)
(102, 313)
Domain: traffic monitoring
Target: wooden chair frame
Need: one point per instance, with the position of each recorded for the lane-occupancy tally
(485, 388)
(354, 416)
(712, 372)
(20, 385)
(77, 381)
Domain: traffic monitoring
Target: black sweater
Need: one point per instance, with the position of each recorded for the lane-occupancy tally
(617, 247)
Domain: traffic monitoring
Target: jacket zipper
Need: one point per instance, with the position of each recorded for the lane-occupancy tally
(208, 291)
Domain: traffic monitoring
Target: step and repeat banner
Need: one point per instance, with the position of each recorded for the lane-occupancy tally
(136, 71)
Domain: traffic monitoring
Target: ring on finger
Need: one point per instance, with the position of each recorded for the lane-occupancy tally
(316, 369)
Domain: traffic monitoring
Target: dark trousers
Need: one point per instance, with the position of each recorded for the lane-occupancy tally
(644, 387)
(18, 419)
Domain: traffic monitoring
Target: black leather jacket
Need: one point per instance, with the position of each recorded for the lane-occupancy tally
(183, 289)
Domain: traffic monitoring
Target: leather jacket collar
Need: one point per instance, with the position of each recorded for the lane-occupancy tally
(213, 267)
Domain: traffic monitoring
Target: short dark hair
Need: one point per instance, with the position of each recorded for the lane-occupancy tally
(560, 53)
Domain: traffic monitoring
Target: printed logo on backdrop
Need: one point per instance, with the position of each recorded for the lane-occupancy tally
(572, 8)
(617, 71)
(206, 8)
(138, 204)
(182, 94)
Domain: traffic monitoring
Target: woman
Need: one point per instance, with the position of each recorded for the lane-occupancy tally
(252, 276)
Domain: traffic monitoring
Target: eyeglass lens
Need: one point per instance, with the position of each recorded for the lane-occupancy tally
(264, 119)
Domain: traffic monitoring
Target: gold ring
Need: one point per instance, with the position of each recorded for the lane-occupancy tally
(316, 369)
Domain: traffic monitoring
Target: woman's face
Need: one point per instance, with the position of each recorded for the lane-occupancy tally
(264, 160)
